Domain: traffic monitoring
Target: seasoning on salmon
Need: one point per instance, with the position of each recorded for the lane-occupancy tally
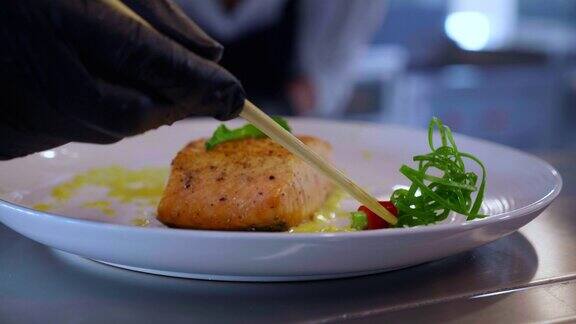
(250, 184)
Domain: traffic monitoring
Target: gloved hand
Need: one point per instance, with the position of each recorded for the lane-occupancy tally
(82, 70)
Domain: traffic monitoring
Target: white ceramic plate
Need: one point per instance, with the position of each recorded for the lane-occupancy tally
(519, 188)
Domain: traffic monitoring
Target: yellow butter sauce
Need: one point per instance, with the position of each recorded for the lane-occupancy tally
(43, 207)
(102, 205)
(326, 218)
(141, 187)
(140, 221)
(125, 185)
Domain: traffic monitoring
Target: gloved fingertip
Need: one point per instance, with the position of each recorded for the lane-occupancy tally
(231, 101)
(214, 52)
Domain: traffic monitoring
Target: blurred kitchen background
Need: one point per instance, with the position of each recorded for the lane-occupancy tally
(502, 70)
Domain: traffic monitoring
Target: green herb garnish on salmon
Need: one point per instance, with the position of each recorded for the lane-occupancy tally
(224, 134)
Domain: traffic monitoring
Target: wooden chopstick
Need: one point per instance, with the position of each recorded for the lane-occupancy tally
(269, 127)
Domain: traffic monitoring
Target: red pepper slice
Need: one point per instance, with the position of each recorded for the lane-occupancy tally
(374, 221)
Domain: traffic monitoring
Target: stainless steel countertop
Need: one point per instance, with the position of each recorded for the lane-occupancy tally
(527, 276)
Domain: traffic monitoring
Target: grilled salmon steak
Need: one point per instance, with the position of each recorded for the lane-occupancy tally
(250, 184)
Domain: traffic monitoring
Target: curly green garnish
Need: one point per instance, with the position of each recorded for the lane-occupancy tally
(224, 134)
(431, 198)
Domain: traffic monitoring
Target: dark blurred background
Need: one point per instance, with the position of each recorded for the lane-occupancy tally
(503, 70)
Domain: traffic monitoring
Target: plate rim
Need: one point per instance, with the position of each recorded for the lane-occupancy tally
(512, 214)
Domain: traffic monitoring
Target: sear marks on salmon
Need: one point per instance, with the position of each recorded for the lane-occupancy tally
(251, 184)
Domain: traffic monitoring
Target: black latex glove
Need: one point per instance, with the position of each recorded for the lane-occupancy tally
(80, 70)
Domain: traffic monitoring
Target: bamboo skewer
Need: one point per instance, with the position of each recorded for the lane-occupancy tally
(269, 127)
